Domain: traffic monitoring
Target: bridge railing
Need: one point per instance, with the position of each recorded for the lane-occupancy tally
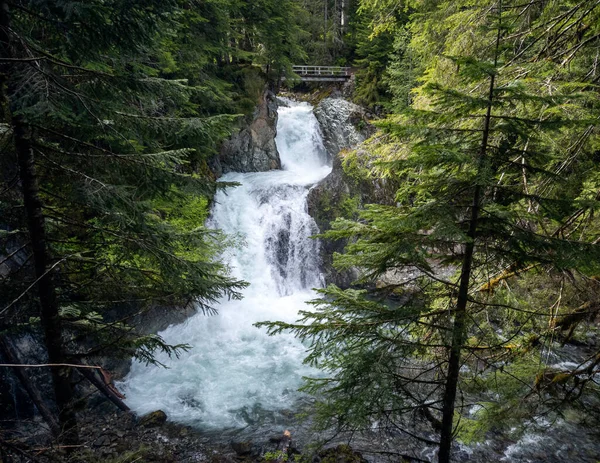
(321, 71)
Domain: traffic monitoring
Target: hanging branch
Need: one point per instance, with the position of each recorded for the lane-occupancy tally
(43, 365)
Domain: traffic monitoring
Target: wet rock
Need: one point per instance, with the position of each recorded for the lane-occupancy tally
(153, 420)
(326, 202)
(282, 103)
(102, 441)
(344, 124)
(349, 87)
(222, 459)
(242, 448)
(276, 439)
(127, 420)
(252, 148)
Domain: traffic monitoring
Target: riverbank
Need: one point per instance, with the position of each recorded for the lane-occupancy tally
(120, 437)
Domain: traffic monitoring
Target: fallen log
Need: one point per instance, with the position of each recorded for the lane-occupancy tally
(109, 390)
(105, 386)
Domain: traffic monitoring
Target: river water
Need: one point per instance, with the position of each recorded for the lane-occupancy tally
(240, 383)
(235, 375)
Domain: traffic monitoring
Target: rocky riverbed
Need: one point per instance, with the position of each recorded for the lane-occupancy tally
(110, 437)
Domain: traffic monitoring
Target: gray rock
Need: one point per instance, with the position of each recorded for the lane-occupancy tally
(322, 202)
(343, 124)
(242, 448)
(252, 148)
(349, 87)
(102, 441)
(153, 420)
(282, 103)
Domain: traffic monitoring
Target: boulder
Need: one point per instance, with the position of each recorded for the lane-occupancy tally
(242, 448)
(252, 148)
(153, 419)
(344, 125)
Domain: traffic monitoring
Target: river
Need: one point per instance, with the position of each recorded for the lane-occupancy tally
(237, 382)
(235, 375)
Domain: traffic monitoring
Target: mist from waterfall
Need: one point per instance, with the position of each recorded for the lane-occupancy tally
(235, 374)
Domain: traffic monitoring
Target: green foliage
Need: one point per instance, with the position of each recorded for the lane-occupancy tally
(118, 130)
(329, 208)
(504, 128)
(327, 41)
(372, 55)
(277, 455)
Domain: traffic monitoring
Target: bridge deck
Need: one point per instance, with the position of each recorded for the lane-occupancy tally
(322, 73)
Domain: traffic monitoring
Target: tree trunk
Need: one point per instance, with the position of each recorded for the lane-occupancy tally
(49, 314)
(103, 388)
(325, 22)
(50, 319)
(458, 336)
(459, 329)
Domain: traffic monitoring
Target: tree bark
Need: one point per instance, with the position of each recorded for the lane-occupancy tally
(459, 329)
(49, 313)
(104, 389)
(458, 336)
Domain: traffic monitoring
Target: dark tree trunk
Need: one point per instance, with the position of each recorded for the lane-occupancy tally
(49, 314)
(50, 319)
(458, 337)
(459, 330)
(103, 388)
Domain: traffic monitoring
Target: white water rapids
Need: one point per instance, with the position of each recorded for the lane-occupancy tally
(234, 372)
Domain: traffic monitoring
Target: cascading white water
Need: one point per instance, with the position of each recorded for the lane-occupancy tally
(234, 372)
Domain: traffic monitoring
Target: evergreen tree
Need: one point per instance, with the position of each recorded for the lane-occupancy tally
(102, 145)
(490, 187)
(276, 34)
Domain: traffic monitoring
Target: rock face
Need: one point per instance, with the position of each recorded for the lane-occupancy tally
(325, 202)
(344, 126)
(253, 148)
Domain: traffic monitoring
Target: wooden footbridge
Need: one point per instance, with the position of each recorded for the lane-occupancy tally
(322, 73)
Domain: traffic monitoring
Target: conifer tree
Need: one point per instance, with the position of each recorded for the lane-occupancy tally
(481, 155)
(102, 145)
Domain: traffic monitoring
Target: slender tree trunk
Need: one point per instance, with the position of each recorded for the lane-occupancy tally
(458, 335)
(459, 329)
(50, 318)
(325, 20)
(49, 314)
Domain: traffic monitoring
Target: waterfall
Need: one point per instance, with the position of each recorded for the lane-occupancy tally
(235, 374)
